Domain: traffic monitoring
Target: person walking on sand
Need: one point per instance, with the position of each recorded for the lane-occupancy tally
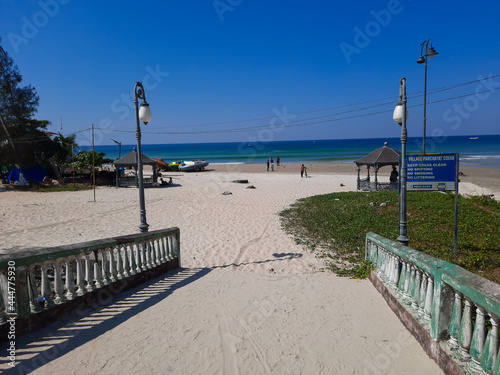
(278, 161)
(302, 170)
(268, 165)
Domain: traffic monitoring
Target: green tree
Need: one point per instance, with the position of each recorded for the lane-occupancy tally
(23, 139)
(84, 159)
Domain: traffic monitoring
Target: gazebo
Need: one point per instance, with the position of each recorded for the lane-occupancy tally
(377, 159)
(130, 160)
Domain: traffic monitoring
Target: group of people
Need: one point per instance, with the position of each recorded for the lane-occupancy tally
(270, 163)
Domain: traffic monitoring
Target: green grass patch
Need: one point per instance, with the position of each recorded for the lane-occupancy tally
(334, 226)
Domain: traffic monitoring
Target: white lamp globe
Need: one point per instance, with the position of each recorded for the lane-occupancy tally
(145, 113)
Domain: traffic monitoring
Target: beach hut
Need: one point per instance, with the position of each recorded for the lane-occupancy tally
(130, 161)
(381, 157)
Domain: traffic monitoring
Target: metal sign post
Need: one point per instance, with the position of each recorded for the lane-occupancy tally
(434, 172)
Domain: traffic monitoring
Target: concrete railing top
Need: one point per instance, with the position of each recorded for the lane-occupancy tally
(43, 254)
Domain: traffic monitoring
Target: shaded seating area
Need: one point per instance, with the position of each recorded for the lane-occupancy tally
(381, 157)
(130, 161)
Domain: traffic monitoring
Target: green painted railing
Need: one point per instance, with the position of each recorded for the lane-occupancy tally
(455, 306)
(37, 279)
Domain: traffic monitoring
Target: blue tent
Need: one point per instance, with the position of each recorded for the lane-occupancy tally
(21, 176)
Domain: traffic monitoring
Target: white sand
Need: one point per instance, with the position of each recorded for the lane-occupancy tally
(249, 301)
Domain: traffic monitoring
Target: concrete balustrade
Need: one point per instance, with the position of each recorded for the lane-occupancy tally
(45, 279)
(453, 313)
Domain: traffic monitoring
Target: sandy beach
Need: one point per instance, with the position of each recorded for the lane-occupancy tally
(248, 299)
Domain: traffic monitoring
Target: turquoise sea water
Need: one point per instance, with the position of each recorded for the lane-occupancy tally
(483, 151)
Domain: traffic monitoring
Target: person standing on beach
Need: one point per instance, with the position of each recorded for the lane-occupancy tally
(394, 175)
(268, 165)
(278, 161)
(272, 165)
(302, 170)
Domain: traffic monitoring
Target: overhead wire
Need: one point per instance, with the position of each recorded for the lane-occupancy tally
(410, 96)
(302, 122)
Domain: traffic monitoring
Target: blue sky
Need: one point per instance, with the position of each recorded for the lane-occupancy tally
(208, 66)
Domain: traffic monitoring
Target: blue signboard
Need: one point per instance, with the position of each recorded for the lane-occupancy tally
(431, 172)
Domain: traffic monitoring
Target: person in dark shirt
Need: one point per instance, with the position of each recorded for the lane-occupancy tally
(394, 175)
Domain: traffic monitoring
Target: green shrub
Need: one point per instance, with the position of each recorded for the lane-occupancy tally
(335, 225)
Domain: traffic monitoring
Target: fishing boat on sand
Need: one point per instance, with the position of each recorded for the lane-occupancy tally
(163, 166)
(174, 166)
(192, 166)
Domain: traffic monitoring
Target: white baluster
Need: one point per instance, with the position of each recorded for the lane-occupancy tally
(456, 319)
(423, 290)
(98, 274)
(158, 252)
(134, 253)
(104, 268)
(88, 273)
(402, 277)
(170, 248)
(490, 351)
(70, 281)
(477, 344)
(112, 265)
(46, 289)
(58, 284)
(429, 295)
(32, 290)
(164, 258)
(465, 336)
(80, 278)
(398, 268)
(147, 249)
(126, 262)
(141, 258)
(408, 280)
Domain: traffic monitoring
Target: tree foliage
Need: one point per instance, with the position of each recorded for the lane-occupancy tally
(24, 140)
(84, 160)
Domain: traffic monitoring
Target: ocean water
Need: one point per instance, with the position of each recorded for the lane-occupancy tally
(483, 151)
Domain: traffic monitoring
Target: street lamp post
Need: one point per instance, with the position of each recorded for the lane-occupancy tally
(400, 115)
(143, 114)
(430, 53)
(119, 148)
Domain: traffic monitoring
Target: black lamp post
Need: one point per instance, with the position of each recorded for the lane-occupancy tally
(400, 115)
(430, 53)
(143, 114)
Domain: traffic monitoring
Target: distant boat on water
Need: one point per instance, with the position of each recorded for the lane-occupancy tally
(474, 138)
